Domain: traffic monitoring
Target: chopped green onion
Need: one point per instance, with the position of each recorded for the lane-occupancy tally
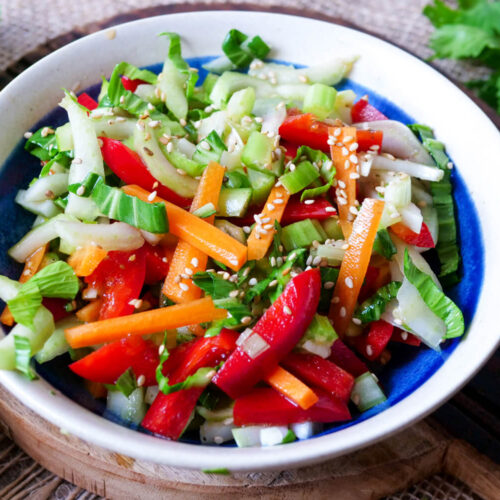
(42, 144)
(126, 383)
(214, 285)
(234, 202)
(209, 149)
(85, 188)
(383, 244)
(241, 50)
(366, 392)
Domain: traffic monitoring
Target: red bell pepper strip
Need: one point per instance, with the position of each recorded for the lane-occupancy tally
(119, 278)
(128, 166)
(86, 101)
(422, 239)
(131, 85)
(157, 263)
(109, 362)
(343, 357)
(290, 149)
(170, 413)
(363, 111)
(56, 307)
(375, 341)
(304, 129)
(266, 406)
(281, 327)
(320, 372)
(370, 285)
(405, 338)
(295, 211)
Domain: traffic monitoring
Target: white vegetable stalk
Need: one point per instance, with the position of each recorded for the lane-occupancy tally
(419, 170)
(412, 217)
(254, 345)
(399, 141)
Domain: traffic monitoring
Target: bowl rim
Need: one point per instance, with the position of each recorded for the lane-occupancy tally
(68, 415)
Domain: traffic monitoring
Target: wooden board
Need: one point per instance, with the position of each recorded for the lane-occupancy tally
(376, 471)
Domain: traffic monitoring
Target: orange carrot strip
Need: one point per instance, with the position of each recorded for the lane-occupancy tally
(187, 256)
(84, 260)
(197, 330)
(355, 263)
(198, 232)
(258, 242)
(144, 323)
(291, 387)
(31, 266)
(342, 158)
(90, 312)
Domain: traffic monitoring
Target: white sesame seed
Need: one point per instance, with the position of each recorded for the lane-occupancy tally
(309, 260)
(183, 122)
(170, 147)
(343, 312)
(195, 262)
(136, 303)
(152, 196)
(449, 165)
(337, 132)
(246, 320)
(341, 184)
(348, 282)
(27, 135)
(233, 262)
(80, 191)
(389, 156)
(265, 219)
(252, 281)
(316, 261)
(257, 219)
(375, 147)
(328, 285)
(369, 350)
(272, 260)
(353, 210)
(404, 335)
(183, 286)
(188, 271)
(356, 321)
(341, 201)
(270, 207)
(278, 201)
(154, 123)
(259, 119)
(273, 283)
(345, 151)
(398, 321)
(268, 226)
(330, 209)
(380, 189)
(354, 159)
(233, 293)
(246, 229)
(161, 349)
(348, 138)
(132, 257)
(353, 146)
(287, 310)
(141, 379)
(345, 246)
(354, 175)
(330, 141)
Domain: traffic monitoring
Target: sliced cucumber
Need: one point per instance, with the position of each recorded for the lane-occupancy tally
(234, 202)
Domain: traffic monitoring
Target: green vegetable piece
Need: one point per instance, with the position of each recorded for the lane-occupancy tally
(373, 307)
(302, 234)
(56, 280)
(181, 161)
(320, 100)
(257, 152)
(42, 144)
(261, 184)
(231, 229)
(383, 244)
(332, 228)
(241, 50)
(209, 149)
(115, 204)
(25, 305)
(290, 437)
(214, 285)
(234, 202)
(205, 211)
(126, 383)
(436, 300)
(366, 392)
(241, 104)
(298, 179)
(320, 331)
(23, 356)
(222, 470)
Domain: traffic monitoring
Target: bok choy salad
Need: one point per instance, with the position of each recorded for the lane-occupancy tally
(234, 257)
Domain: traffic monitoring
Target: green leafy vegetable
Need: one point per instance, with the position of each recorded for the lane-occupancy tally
(436, 300)
(383, 244)
(470, 31)
(209, 149)
(23, 356)
(290, 437)
(205, 211)
(126, 383)
(214, 285)
(25, 305)
(42, 144)
(372, 308)
(115, 204)
(446, 247)
(241, 50)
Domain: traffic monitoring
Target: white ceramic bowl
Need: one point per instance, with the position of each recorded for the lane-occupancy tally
(471, 139)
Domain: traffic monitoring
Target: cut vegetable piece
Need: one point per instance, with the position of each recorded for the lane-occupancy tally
(418, 170)
(298, 179)
(375, 341)
(130, 409)
(90, 312)
(322, 373)
(302, 234)
(279, 328)
(241, 104)
(362, 111)
(209, 149)
(291, 387)
(148, 148)
(261, 184)
(319, 335)
(116, 236)
(258, 153)
(343, 357)
(215, 433)
(231, 229)
(435, 299)
(56, 344)
(266, 406)
(186, 255)
(86, 259)
(355, 263)
(233, 202)
(320, 100)
(372, 309)
(422, 239)
(144, 323)
(259, 242)
(198, 232)
(345, 161)
(366, 392)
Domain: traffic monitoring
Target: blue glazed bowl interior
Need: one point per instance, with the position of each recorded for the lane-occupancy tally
(409, 366)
